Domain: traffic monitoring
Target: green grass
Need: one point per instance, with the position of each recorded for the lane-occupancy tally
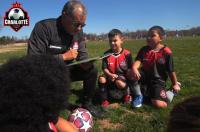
(4, 57)
(146, 119)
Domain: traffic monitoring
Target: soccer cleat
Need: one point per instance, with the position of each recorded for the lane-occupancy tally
(105, 104)
(127, 99)
(137, 102)
(94, 110)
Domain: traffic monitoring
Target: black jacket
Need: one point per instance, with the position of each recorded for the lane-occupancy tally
(49, 37)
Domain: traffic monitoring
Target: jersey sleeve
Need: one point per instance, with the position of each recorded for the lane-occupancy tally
(104, 64)
(139, 56)
(169, 63)
(129, 60)
(105, 61)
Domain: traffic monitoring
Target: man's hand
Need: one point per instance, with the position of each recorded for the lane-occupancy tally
(70, 54)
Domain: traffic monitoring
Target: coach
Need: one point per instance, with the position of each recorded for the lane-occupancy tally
(62, 37)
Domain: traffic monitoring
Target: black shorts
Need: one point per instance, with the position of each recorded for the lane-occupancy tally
(157, 91)
(111, 92)
(153, 89)
(116, 93)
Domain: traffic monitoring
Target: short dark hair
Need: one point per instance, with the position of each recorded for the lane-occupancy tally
(71, 6)
(114, 32)
(185, 116)
(159, 29)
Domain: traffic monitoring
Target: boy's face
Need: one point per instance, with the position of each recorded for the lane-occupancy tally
(153, 38)
(116, 43)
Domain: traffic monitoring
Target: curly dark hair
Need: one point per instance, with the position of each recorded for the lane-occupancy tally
(185, 116)
(33, 90)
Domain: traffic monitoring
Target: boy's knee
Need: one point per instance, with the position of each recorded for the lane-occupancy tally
(102, 80)
(159, 103)
(120, 84)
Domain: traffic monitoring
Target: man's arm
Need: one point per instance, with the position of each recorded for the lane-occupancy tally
(38, 40)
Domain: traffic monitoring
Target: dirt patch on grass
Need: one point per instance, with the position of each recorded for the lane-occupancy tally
(118, 106)
(114, 105)
(107, 124)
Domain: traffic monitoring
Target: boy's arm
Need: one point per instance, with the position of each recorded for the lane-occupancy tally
(109, 74)
(173, 78)
(170, 69)
(65, 126)
(135, 67)
(106, 70)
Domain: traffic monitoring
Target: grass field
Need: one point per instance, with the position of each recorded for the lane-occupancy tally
(123, 118)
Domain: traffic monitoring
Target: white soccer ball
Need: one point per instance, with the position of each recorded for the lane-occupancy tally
(82, 119)
(16, 13)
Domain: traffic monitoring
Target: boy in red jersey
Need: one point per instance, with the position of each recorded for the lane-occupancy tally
(157, 64)
(117, 82)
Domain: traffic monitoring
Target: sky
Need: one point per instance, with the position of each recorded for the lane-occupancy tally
(104, 15)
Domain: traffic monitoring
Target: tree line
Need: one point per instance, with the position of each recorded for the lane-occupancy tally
(4, 40)
(139, 34)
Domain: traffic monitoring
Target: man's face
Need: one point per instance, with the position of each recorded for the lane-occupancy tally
(116, 43)
(73, 24)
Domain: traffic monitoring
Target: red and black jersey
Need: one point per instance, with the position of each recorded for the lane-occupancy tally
(52, 127)
(118, 63)
(156, 64)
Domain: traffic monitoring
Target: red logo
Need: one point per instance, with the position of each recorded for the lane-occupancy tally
(75, 45)
(16, 17)
(163, 94)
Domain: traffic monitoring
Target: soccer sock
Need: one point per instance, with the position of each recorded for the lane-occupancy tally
(103, 91)
(102, 86)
